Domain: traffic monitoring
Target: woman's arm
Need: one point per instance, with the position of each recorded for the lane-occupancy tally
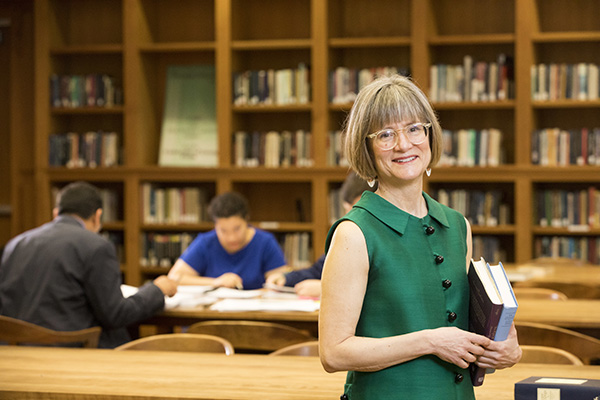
(343, 288)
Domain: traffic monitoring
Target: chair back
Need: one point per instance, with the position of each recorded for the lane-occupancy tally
(253, 336)
(307, 349)
(548, 355)
(587, 348)
(186, 342)
(17, 332)
(539, 293)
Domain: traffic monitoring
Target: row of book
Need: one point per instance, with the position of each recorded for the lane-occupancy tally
(163, 249)
(564, 81)
(173, 205)
(335, 151)
(568, 208)
(472, 81)
(272, 87)
(488, 247)
(111, 203)
(577, 247)
(345, 83)
(561, 147)
(297, 249)
(484, 208)
(79, 150)
(91, 90)
(470, 148)
(273, 149)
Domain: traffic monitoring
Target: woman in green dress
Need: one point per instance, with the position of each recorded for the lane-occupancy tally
(395, 294)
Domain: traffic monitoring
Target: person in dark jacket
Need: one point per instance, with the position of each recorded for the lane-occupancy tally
(64, 276)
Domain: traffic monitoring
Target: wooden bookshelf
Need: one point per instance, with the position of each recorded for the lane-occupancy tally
(136, 40)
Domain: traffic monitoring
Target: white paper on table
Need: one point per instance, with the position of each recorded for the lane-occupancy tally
(228, 293)
(265, 305)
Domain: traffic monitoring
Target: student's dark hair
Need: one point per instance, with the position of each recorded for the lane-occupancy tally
(227, 205)
(353, 187)
(79, 198)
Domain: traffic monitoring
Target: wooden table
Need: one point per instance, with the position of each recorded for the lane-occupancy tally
(589, 275)
(578, 314)
(55, 373)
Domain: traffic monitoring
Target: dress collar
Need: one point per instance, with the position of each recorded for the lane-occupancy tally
(394, 217)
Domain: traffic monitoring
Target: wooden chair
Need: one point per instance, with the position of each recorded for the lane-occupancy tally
(539, 293)
(587, 348)
(187, 342)
(299, 349)
(17, 332)
(253, 336)
(548, 355)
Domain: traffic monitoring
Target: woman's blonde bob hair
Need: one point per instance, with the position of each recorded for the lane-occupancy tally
(386, 100)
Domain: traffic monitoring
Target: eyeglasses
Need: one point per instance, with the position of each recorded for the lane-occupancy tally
(386, 139)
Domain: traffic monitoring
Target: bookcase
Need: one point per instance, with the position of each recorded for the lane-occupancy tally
(134, 41)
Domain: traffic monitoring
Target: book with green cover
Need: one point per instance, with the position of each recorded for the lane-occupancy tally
(189, 127)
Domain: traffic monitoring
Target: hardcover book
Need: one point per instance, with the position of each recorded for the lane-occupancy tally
(492, 306)
(536, 387)
(189, 127)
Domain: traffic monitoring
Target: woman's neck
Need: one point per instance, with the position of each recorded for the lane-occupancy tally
(408, 198)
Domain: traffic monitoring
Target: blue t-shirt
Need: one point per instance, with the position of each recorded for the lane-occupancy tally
(206, 255)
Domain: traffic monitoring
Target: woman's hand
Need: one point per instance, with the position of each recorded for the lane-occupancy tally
(457, 346)
(502, 354)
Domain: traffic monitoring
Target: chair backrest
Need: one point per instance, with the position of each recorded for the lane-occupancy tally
(299, 349)
(17, 332)
(253, 336)
(587, 348)
(187, 342)
(539, 293)
(548, 355)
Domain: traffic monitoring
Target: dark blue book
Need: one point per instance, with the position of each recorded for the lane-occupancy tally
(537, 387)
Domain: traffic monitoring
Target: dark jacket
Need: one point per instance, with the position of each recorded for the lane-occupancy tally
(64, 277)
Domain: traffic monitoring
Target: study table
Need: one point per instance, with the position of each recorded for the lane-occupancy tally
(578, 314)
(94, 374)
(585, 274)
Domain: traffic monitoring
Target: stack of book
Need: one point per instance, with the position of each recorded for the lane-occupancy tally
(492, 306)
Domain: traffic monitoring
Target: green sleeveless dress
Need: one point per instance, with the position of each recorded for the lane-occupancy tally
(417, 280)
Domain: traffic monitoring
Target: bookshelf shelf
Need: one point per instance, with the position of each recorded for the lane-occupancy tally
(488, 39)
(136, 40)
(280, 44)
(109, 48)
(369, 41)
(273, 108)
(87, 110)
(566, 104)
(177, 47)
(472, 105)
(556, 37)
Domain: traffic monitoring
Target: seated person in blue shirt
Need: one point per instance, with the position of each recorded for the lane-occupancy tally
(234, 254)
(307, 281)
